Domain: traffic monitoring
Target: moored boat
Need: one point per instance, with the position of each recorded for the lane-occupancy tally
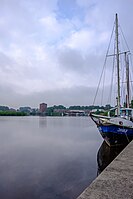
(117, 129)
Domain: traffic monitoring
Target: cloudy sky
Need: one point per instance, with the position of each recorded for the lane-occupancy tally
(53, 50)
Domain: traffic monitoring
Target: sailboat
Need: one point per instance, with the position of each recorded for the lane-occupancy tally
(117, 129)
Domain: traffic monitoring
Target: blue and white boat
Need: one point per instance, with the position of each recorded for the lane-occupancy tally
(115, 130)
(118, 129)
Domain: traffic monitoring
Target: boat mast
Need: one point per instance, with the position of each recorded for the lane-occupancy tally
(127, 78)
(118, 68)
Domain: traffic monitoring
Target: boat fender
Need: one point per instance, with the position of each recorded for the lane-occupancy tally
(120, 122)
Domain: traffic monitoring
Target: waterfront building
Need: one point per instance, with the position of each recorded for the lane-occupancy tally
(43, 108)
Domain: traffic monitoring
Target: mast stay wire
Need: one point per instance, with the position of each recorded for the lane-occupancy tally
(131, 66)
(104, 74)
(124, 38)
(111, 88)
(104, 65)
(122, 68)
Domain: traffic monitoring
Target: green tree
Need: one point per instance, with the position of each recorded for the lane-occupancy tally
(131, 103)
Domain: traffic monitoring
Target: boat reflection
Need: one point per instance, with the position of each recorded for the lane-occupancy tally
(106, 155)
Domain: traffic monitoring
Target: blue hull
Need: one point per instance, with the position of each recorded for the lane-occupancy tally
(116, 135)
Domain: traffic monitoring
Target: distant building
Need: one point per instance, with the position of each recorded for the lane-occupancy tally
(76, 113)
(43, 108)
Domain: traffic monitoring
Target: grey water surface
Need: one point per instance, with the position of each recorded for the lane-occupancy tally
(47, 157)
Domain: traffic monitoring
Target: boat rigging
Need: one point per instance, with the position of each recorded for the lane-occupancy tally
(117, 129)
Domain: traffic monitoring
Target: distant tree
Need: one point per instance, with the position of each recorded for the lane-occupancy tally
(26, 110)
(11, 113)
(125, 105)
(4, 108)
(59, 107)
(107, 107)
(131, 103)
(75, 108)
(50, 111)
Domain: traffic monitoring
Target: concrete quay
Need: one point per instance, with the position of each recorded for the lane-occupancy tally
(116, 181)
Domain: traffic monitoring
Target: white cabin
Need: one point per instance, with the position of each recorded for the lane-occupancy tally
(127, 113)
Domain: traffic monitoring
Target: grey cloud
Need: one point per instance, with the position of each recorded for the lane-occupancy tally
(71, 60)
(19, 26)
(79, 95)
(5, 62)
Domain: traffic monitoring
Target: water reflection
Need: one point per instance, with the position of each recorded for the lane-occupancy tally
(47, 158)
(106, 155)
(42, 121)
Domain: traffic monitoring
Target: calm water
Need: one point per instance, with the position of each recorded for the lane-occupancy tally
(47, 157)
